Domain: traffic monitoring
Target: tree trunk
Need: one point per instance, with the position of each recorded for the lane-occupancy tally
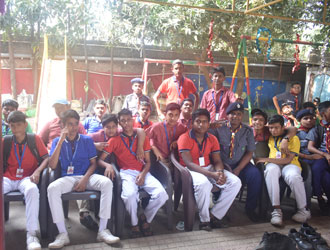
(71, 62)
(12, 64)
(87, 68)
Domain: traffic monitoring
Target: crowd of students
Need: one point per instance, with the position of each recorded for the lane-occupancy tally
(213, 143)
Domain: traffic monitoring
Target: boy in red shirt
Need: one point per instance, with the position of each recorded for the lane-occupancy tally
(142, 119)
(135, 175)
(196, 148)
(177, 88)
(163, 135)
(22, 173)
(186, 112)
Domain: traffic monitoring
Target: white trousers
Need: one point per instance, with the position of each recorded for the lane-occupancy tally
(130, 194)
(66, 184)
(31, 195)
(202, 189)
(292, 176)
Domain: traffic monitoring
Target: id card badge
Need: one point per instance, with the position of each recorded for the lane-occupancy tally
(217, 115)
(19, 173)
(201, 161)
(278, 155)
(70, 170)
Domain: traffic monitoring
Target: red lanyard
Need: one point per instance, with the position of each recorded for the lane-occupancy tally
(232, 139)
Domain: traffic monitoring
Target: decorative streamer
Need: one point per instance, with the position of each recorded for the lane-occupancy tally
(296, 66)
(208, 49)
(323, 50)
(2, 7)
(263, 29)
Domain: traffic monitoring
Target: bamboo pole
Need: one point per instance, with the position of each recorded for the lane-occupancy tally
(236, 65)
(231, 11)
(280, 40)
(247, 79)
(194, 63)
(260, 7)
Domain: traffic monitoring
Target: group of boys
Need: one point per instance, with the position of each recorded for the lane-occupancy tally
(309, 143)
(212, 141)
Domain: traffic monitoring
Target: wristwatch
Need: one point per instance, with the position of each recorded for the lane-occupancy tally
(286, 138)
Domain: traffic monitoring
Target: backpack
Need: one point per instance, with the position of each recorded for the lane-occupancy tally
(31, 143)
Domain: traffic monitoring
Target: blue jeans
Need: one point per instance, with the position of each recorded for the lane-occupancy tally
(321, 177)
(251, 176)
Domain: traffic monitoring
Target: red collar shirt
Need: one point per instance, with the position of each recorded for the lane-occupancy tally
(219, 104)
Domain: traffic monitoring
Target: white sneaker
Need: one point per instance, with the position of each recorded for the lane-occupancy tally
(277, 216)
(61, 240)
(302, 215)
(32, 242)
(107, 237)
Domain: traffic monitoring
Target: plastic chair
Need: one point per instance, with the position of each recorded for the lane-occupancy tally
(162, 174)
(18, 196)
(66, 197)
(184, 187)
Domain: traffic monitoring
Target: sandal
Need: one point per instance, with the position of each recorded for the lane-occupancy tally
(135, 232)
(145, 226)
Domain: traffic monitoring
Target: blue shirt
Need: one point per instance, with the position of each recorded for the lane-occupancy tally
(290, 99)
(302, 135)
(80, 159)
(318, 135)
(92, 124)
(243, 143)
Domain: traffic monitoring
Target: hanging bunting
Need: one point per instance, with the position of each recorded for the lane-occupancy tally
(208, 49)
(262, 29)
(296, 66)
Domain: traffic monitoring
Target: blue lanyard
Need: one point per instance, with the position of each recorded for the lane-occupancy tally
(179, 90)
(130, 147)
(74, 153)
(217, 106)
(167, 138)
(200, 147)
(275, 142)
(142, 125)
(19, 160)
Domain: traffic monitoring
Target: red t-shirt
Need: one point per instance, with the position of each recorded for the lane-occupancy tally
(138, 124)
(158, 138)
(52, 129)
(125, 159)
(29, 162)
(170, 86)
(187, 142)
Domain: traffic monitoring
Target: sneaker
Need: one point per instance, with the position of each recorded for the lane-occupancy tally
(107, 237)
(61, 240)
(277, 217)
(300, 240)
(32, 242)
(302, 215)
(206, 226)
